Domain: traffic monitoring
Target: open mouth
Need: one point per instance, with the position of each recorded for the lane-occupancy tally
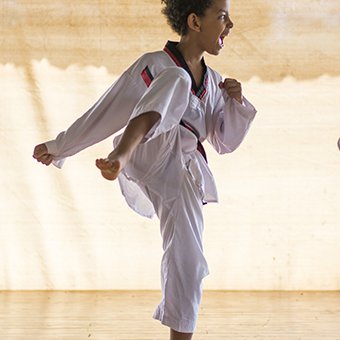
(220, 41)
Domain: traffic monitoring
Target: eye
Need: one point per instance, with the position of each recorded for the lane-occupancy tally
(224, 17)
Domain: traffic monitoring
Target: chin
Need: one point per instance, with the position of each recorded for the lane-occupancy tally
(213, 51)
(216, 52)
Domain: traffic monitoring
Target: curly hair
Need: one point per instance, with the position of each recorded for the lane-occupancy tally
(177, 11)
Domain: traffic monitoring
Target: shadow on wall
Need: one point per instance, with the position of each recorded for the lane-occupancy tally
(270, 40)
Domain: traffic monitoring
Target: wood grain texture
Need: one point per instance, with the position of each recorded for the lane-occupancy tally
(124, 315)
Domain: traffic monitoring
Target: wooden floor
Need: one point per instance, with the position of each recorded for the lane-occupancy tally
(127, 315)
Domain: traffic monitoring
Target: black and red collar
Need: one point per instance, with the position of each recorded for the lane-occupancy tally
(171, 49)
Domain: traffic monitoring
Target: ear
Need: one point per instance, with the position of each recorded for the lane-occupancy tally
(194, 22)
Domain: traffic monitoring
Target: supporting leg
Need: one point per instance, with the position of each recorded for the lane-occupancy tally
(180, 336)
(183, 264)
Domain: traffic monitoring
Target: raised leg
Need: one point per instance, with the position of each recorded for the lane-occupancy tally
(134, 133)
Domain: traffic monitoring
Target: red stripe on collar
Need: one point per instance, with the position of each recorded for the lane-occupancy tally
(172, 56)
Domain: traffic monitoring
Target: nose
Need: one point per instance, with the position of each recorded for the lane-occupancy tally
(230, 24)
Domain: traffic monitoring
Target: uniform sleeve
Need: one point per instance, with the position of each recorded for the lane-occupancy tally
(230, 122)
(167, 95)
(107, 116)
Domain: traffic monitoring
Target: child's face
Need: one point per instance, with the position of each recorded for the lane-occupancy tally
(215, 26)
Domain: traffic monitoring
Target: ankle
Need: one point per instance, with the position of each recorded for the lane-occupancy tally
(118, 153)
(174, 335)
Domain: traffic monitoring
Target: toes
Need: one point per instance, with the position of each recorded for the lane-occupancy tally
(109, 168)
(107, 164)
(102, 163)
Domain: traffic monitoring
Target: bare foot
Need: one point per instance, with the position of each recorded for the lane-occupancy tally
(109, 168)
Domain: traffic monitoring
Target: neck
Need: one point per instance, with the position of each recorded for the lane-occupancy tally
(190, 51)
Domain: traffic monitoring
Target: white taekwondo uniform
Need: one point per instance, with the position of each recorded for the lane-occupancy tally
(167, 173)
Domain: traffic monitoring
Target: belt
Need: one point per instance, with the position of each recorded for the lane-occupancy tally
(200, 147)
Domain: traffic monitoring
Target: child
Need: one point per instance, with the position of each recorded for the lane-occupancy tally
(170, 102)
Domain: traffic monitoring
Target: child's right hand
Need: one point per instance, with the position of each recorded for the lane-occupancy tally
(41, 154)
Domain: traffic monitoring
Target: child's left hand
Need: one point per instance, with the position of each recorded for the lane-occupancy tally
(233, 88)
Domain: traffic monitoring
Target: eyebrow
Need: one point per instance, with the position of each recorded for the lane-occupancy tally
(222, 11)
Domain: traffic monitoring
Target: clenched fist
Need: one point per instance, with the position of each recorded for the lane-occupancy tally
(233, 88)
(41, 154)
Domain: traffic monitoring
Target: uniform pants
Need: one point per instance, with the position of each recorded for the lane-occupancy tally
(183, 264)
